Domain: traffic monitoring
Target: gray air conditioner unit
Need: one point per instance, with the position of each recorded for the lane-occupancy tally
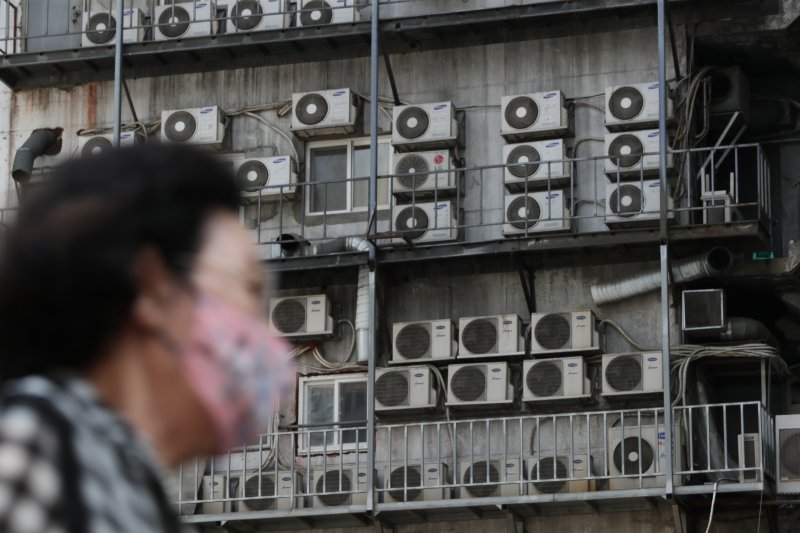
(556, 333)
(426, 222)
(429, 340)
(640, 452)
(730, 92)
(787, 436)
(423, 174)
(749, 448)
(331, 112)
(203, 126)
(404, 389)
(302, 317)
(216, 494)
(536, 212)
(257, 15)
(632, 373)
(536, 165)
(416, 483)
(337, 488)
(703, 311)
(552, 474)
(267, 491)
(555, 379)
(488, 336)
(631, 155)
(485, 479)
(424, 126)
(100, 27)
(266, 178)
(325, 12)
(634, 106)
(531, 116)
(479, 384)
(185, 19)
(89, 145)
(635, 204)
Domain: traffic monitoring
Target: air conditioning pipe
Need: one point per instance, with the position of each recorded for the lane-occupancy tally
(711, 263)
(39, 143)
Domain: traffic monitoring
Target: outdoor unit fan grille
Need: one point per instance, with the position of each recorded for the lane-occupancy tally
(246, 14)
(626, 201)
(523, 212)
(624, 373)
(405, 477)
(550, 468)
(626, 103)
(289, 316)
(101, 28)
(633, 454)
(553, 332)
(545, 379)
(413, 122)
(417, 166)
(180, 126)
(316, 12)
(790, 453)
(469, 383)
(480, 336)
(479, 472)
(413, 341)
(96, 145)
(523, 161)
(312, 108)
(174, 22)
(252, 175)
(522, 112)
(391, 389)
(626, 150)
(251, 487)
(413, 222)
(330, 483)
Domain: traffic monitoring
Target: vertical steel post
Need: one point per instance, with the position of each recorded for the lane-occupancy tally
(118, 71)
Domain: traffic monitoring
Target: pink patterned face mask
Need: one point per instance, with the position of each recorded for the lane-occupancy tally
(238, 370)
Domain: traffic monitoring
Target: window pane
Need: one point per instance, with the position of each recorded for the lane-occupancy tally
(353, 408)
(318, 411)
(361, 170)
(327, 165)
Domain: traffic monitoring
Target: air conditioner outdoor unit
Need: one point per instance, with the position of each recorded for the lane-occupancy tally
(536, 212)
(632, 373)
(323, 12)
(554, 333)
(426, 222)
(429, 340)
(479, 384)
(269, 491)
(551, 474)
(730, 93)
(633, 106)
(301, 316)
(217, 493)
(483, 478)
(749, 449)
(424, 126)
(89, 145)
(257, 15)
(100, 27)
(423, 174)
(416, 483)
(404, 389)
(787, 437)
(340, 487)
(185, 19)
(633, 154)
(535, 165)
(266, 178)
(640, 452)
(328, 112)
(537, 115)
(703, 311)
(635, 204)
(490, 336)
(555, 379)
(200, 125)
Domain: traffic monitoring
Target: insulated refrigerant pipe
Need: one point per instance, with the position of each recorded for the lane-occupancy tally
(708, 264)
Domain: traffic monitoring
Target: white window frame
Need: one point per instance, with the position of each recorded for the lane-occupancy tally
(350, 145)
(332, 444)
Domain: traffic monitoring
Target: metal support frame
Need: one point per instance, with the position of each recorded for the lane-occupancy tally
(527, 278)
(118, 72)
(389, 70)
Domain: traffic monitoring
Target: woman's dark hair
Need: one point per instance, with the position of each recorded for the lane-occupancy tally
(66, 280)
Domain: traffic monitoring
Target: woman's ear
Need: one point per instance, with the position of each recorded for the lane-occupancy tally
(153, 306)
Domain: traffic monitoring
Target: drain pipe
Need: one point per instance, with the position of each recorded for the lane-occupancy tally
(711, 263)
(43, 141)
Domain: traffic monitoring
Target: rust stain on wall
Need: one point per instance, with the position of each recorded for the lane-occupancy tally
(91, 104)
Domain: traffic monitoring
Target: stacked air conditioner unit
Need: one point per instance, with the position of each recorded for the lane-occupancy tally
(535, 165)
(787, 439)
(89, 145)
(635, 204)
(632, 374)
(423, 174)
(555, 379)
(482, 478)
(559, 473)
(749, 452)
(430, 340)
(100, 26)
(490, 336)
(558, 333)
(257, 15)
(267, 491)
(404, 389)
(340, 487)
(536, 212)
(203, 126)
(479, 384)
(640, 452)
(266, 178)
(633, 106)
(324, 12)
(424, 126)
(426, 222)
(328, 112)
(301, 317)
(185, 19)
(630, 155)
(531, 116)
(416, 483)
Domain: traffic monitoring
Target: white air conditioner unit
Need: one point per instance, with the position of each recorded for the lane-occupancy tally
(423, 174)
(424, 126)
(410, 388)
(429, 340)
(490, 336)
(535, 165)
(555, 379)
(100, 27)
(635, 204)
(537, 115)
(329, 112)
(749, 452)
(632, 373)
(483, 478)
(640, 452)
(633, 154)
(89, 145)
(479, 384)
(185, 19)
(634, 106)
(553, 333)
(340, 487)
(216, 494)
(200, 125)
(536, 212)
(266, 178)
(426, 222)
(787, 439)
(324, 12)
(268, 491)
(301, 316)
(415, 483)
(552, 474)
(257, 15)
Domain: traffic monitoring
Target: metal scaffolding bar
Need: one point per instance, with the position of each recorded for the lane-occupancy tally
(118, 72)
